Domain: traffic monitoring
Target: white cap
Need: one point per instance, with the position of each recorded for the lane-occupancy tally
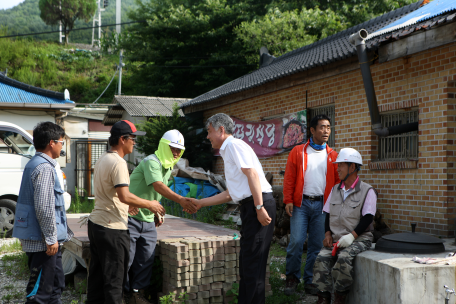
(176, 139)
(349, 155)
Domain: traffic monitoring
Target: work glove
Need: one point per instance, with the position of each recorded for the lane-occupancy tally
(346, 240)
(83, 220)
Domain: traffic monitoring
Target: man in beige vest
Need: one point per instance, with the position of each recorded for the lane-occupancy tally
(350, 211)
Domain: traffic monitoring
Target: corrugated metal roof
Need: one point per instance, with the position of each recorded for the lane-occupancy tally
(328, 50)
(14, 92)
(149, 106)
(428, 11)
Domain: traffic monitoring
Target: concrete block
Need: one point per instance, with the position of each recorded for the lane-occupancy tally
(194, 301)
(238, 242)
(227, 286)
(230, 257)
(195, 260)
(192, 289)
(237, 263)
(218, 243)
(269, 260)
(231, 271)
(230, 278)
(206, 273)
(179, 283)
(195, 267)
(218, 271)
(219, 263)
(204, 287)
(192, 244)
(219, 257)
(230, 249)
(195, 282)
(207, 252)
(268, 268)
(268, 274)
(219, 277)
(203, 300)
(207, 259)
(179, 263)
(219, 250)
(207, 280)
(206, 266)
(268, 293)
(195, 275)
(238, 249)
(205, 243)
(230, 264)
(218, 299)
(217, 285)
(176, 269)
(230, 243)
(215, 292)
(179, 256)
(177, 247)
(268, 287)
(192, 296)
(203, 294)
(180, 276)
(194, 253)
(228, 299)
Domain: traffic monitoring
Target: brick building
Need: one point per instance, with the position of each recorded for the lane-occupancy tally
(414, 73)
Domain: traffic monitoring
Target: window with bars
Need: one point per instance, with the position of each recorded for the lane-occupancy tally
(329, 111)
(402, 146)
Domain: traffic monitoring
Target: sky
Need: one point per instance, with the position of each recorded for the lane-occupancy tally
(5, 4)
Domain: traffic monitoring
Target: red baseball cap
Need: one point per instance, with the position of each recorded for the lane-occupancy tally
(125, 127)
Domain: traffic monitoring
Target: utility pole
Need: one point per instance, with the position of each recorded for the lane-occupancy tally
(101, 5)
(118, 16)
(120, 72)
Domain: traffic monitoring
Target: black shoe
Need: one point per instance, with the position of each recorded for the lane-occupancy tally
(291, 284)
(311, 289)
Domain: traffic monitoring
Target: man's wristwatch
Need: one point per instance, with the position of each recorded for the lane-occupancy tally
(258, 207)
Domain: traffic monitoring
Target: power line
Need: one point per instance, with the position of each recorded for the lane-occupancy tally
(78, 29)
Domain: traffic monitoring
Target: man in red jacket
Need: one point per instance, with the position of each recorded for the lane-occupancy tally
(309, 177)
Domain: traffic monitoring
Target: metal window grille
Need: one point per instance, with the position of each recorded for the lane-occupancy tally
(401, 146)
(329, 111)
(87, 154)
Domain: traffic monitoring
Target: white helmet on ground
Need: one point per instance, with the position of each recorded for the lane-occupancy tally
(176, 139)
(349, 155)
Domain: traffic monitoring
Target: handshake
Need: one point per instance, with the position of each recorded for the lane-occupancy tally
(190, 205)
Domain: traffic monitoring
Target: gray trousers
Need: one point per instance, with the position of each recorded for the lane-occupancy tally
(337, 268)
(143, 239)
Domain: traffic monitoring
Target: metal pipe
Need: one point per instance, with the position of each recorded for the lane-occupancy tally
(358, 40)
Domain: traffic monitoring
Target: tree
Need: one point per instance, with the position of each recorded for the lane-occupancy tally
(188, 47)
(197, 147)
(67, 12)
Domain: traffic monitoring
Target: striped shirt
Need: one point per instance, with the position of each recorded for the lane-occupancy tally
(43, 180)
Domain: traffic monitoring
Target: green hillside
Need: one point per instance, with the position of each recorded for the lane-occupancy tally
(25, 18)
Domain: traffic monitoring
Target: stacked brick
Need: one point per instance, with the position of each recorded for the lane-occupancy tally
(204, 268)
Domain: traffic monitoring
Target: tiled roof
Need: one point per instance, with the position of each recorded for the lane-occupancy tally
(138, 106)
(15, 93)
(328, 50)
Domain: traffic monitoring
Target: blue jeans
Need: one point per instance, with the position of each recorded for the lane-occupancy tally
(307, 218)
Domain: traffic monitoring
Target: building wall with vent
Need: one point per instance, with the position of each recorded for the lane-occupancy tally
(420, 190)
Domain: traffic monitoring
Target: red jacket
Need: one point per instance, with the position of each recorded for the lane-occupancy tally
(293, 183)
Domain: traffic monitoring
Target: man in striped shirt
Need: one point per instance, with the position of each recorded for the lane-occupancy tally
(40, 220)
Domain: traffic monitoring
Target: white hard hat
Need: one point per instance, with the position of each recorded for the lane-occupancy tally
(349, 155)
(176, 139)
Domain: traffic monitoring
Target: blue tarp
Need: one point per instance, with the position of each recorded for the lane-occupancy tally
(190, 187)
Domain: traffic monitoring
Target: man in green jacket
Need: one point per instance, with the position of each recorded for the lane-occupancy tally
(149, 181)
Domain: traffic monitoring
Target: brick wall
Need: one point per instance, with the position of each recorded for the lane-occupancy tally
(420, 191)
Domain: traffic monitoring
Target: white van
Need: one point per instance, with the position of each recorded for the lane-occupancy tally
(16, 149)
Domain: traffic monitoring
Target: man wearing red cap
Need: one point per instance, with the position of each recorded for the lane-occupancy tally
(108, 222)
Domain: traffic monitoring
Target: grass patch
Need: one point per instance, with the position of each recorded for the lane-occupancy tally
(81, 204)
(15, 265)
(11, 247)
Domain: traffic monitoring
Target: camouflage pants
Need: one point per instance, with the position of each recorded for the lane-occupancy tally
(337, 268)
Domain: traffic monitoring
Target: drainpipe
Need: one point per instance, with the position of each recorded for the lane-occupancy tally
(358, 40)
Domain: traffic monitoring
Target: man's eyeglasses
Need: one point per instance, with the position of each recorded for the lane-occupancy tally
(132, 138)
(60, 141)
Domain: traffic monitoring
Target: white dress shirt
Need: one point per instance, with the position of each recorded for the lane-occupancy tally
(237, 154)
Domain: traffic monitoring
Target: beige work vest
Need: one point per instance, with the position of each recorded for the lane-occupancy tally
(344, 216)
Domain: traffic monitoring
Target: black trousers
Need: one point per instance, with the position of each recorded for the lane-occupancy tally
(255, 243)
(143, 240)
(47, 280)
(108, 264)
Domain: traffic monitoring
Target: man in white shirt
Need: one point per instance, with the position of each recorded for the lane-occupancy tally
(247, 185)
